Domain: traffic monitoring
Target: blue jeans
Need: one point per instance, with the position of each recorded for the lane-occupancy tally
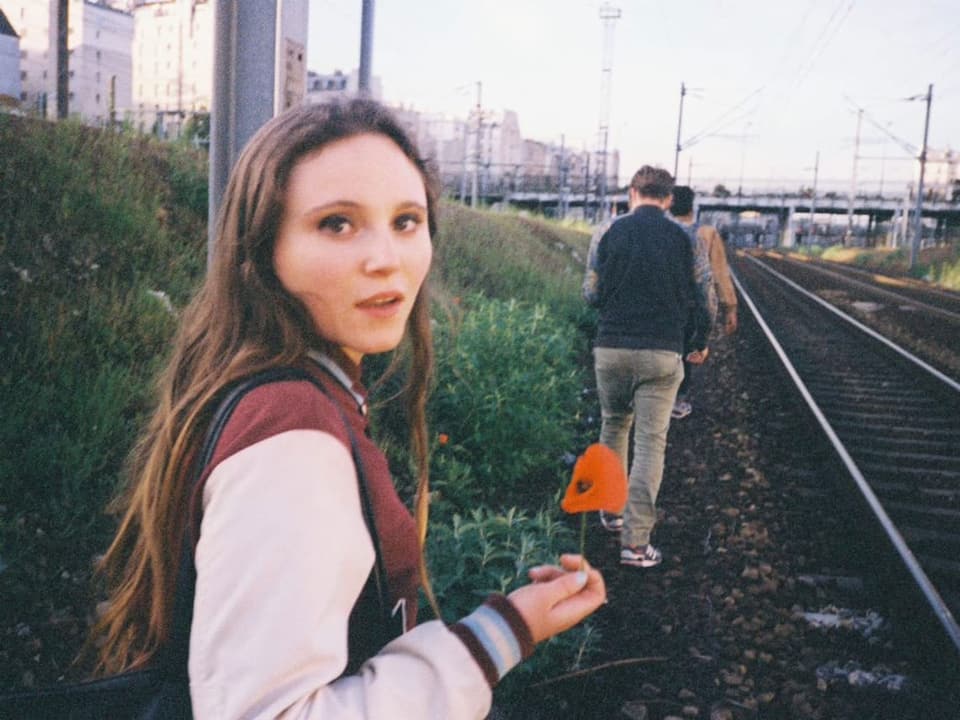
(637, 388)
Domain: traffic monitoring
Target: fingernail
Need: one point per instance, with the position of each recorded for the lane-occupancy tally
(581, 578)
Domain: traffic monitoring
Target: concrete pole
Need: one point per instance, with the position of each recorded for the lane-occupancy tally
(244, 62)
(853, 179)
(676, 154)
(63, 59)
(562, 176)
(463, 172)
(813, 200)
(918, 214)
(366, 47)
(476, 154)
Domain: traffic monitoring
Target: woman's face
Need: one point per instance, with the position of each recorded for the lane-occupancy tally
(353, 244)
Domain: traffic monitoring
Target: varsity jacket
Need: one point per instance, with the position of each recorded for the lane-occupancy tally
(645, 286)
(282, 607)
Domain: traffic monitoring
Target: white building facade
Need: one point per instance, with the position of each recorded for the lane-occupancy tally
(172, 63)
(10, 85)
(101, 69)
(99, 38)
(35, 22)
(173, 59)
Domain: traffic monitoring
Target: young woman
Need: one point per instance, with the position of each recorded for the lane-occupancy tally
(323, 245)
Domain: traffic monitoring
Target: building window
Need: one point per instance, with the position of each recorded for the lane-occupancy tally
(23, 74)
(23, 97)
(98, 98)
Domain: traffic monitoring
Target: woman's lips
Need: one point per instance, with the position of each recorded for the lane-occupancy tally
(382, 304)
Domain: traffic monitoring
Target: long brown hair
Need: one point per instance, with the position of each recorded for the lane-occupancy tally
(241, 321)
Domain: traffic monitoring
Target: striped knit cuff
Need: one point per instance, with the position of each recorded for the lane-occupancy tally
(497, 637)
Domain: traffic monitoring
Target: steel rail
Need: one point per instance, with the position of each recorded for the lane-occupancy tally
(902, 299)
(950, 382)
(936, 603)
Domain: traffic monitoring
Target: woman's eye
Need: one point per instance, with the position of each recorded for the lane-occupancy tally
(407, 222)
(336, 224)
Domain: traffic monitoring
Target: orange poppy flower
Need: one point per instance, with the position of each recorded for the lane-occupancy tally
(598, 482)
(443, 438)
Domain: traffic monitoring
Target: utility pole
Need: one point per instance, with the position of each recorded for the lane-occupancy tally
(113, 102)
(853, 179)
(918, 215)
(244, 62)
(609, 15)
(676, 155)
(743, 158)
(586, 184)
(476, 154)
(366, 47)
(562, 176)
(813, 201)
(63, 59)
(463, 170)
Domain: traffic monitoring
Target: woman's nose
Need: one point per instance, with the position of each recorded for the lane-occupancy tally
(383, 253)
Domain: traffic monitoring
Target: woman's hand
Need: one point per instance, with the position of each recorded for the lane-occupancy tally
(558, 597)
(697, 357)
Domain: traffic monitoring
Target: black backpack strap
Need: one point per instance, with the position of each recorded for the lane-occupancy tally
(174, 657)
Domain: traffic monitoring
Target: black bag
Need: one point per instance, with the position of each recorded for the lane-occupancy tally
(162, 692)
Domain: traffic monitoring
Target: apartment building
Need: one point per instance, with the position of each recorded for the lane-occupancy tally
(941, 178)
(322, 87)
(101, 71)
(98, 40)
(173, 59)
(9, 64)
(172, 63)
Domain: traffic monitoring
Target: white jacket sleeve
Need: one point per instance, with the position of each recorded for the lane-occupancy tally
(282, 557)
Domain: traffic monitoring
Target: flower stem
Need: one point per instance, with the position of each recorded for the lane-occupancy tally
(583, 539)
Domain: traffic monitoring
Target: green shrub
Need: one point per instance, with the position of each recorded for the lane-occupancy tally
(484, 552)
(508, 396)
(948, 274)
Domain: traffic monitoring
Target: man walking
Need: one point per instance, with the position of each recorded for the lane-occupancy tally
(710, 261)
(640, 277)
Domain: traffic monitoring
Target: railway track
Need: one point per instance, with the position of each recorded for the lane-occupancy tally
(906, 293)
(894, 423)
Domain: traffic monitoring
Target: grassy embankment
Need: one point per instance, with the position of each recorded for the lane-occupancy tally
(102, 240)
(939, 265)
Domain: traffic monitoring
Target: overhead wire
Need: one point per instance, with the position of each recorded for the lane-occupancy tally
(905, 145)
(824, 40)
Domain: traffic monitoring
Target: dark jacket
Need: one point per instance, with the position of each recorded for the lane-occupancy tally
(647, 294)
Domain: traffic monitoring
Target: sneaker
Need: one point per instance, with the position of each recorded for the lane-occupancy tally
(681, 409)
(611, 522)
(640, 556)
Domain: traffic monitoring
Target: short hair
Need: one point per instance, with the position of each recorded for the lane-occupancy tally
(652, 182)
(682, 201)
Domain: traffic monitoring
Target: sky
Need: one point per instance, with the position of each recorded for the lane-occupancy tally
(773, 86)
